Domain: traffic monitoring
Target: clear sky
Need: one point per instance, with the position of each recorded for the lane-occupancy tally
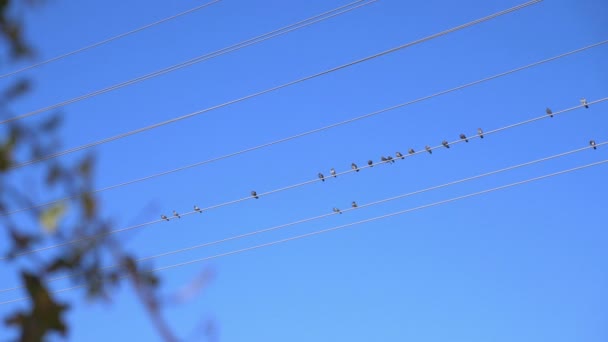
(526, 263)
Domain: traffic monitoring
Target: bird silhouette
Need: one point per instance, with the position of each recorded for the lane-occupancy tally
(549, 112)
(584, 102)
(399, 155)
(321, 177)
(370, 163)
(428, 149)
(445, 143)
(480, 132)
(196, 208)
(411, 151)
(336, 210)
(383, 158)
(390, 159)
(254, 194)
(463, 137)
(176, 214)
(164, 217)
(354, 167)
(333, 172)
(354, 204)
(593, 144)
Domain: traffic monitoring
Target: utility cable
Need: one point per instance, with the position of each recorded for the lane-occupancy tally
(318, 232)
(252, 41)
(285, 85)
(359, 206)
(108, 40)
(299, 135)
(280, 189)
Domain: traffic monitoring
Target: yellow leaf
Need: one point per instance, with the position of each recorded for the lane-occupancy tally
(50, 218)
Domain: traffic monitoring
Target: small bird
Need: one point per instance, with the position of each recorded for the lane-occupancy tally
(428, 149)
(593, 144)
(370, 163)
(390, 159)
(354, 167)
(411, 151)
(321, 177)
(336, 210)
(196, 208)
(354, 204)
(164, 217)
(549, 112)
(445, 143)
(176, 214)
(399, 155)
(333, 172)
(480, 132)
(254, 194)
(584, 102)
(464, 137)
(383, 158)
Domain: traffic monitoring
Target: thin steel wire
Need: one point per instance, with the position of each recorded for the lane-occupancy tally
(252, 41)
(269, 90)
(360, 206)
(108, 40)
(318, 232)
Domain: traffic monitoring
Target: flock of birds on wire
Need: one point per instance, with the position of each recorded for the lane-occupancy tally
(388, 159)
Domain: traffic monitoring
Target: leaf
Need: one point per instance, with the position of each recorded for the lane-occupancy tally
(50, 218)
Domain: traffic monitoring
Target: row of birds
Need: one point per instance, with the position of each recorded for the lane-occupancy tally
(389, 159)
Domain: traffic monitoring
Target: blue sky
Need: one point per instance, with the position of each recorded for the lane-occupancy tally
(525, 264)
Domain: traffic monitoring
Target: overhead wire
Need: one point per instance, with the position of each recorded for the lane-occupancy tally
(299, 135)
(359, 206)
(115, 231)
(235, 47)
(327, 230)
(284, 85)
(108, 40)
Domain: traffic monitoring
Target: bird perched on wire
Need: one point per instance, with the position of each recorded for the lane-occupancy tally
(428, 149)
(321, 177)
(176, 214)
(445, 144)
(593, 144)
(480, 132)
(584, 102)
(383, 158)
(164, 217)
(336, 210)
(254, 194)
(354, 167)
(333, 172)
(549, 112)
(411, 151)
(370, 163)
(197, 209)
(354, 204)
(399, 155)
(463, 137)
(390, 159)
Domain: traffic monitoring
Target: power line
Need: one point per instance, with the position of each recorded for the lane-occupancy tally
(359, 206)
(285, 85)
(108, 40)
(293, 186)
(299, 135)
(252, 41)
(318, 232)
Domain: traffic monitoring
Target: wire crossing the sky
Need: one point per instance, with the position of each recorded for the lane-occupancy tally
(252, 41)
(269, 90)
(359, 206)
(293, 186)
(108, 40)
(327, 230)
